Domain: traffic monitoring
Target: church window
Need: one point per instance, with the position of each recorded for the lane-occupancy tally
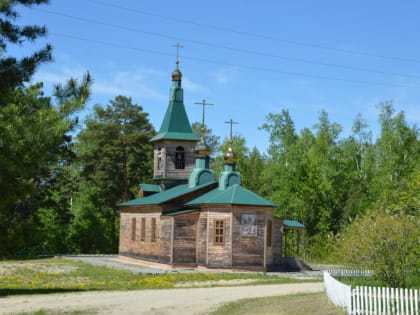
(159, 158)
(143, 229)
(219, 231)
(133, 229)
(269, 232)
(179, 158)
(153, 229)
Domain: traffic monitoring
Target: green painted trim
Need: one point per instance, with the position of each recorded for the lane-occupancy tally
(178, 212)
(175, 136)
(164, 196)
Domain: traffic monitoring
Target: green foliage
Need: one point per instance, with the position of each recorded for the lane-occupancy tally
(239, 148)
(212, 140)
(412, 281)
(35, 143)
(88, 230)
(326, 181)
(13, 72)
(282, 132)
(397, 150)
(387, 244)
(35, 149)
(115, 156)
(252, 168)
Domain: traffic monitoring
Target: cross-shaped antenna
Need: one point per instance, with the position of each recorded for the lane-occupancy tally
(204, 104)
(231, 122)
(178, 46)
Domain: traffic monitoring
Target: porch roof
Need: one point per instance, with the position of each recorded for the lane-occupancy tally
(292, 224)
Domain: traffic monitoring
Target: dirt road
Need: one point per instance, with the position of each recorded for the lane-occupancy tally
(169, 301)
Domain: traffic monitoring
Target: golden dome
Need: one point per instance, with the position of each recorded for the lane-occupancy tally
(230, 156)
(202, 149)
(176, 75)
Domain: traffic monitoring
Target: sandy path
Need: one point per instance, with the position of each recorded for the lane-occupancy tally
(169, 301)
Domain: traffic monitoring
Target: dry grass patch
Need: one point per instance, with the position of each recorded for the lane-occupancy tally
(301, 304)
(15, 267)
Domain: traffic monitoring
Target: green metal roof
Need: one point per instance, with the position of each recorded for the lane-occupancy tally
(291, 224)
(164, 196)
(175, 125)
(235, 194)
(150, 188)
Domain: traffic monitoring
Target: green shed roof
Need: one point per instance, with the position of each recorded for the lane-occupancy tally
(235, 194)
(164, 196)
(291, 224)
(150, 187)
(175, 125)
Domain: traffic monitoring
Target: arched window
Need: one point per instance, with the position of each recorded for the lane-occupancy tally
(179, 158)
(159, 158)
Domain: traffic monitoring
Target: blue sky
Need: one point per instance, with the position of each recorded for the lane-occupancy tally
(249, 58)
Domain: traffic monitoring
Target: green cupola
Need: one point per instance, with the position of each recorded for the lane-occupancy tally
(175, 125)
(175, 142)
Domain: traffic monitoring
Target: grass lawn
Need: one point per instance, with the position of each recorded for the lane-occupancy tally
(65, 275)
(301, 304)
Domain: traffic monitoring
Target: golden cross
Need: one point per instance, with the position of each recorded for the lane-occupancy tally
(178, 46)
(231, 122)
(204, 104)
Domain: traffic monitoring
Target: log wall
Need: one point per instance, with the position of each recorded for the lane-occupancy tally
(190, 238)
(137, 247)
(248, 250)
(185, 236)
(202, 239)
(277, 241)
(166, 237)
(218, 255)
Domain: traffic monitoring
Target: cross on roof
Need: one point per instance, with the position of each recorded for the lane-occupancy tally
(231, 122)
(178, 46)
(204, 104)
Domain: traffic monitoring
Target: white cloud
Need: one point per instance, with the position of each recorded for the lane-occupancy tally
(59, 76)
(140, 83)
(109, 89)
(225, 76)
(191, 86)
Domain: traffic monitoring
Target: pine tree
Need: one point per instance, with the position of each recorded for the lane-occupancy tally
(15, 72)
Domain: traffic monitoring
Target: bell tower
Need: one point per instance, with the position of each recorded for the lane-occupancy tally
(174, 144)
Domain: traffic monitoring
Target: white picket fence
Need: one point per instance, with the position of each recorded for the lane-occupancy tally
(338, 293)
(350, 273)
(371, 300)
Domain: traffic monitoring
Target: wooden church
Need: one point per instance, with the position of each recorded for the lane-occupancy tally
(188, 218)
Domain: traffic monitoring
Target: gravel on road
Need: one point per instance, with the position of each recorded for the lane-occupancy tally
(167, 301)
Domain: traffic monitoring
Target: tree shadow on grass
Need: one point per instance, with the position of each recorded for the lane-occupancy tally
(8, 292)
